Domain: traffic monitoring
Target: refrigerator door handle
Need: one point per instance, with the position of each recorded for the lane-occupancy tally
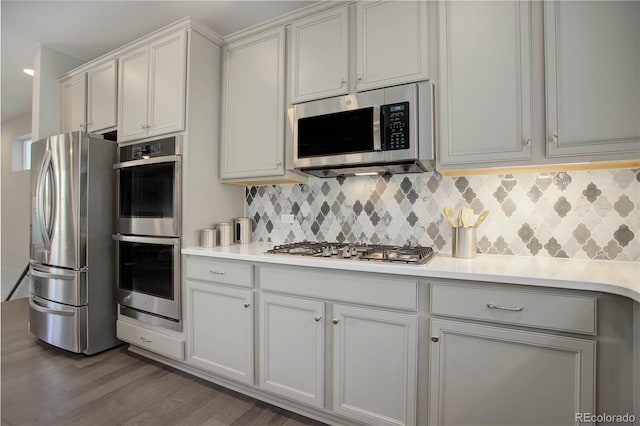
(45, 310)
(46, 198)
(43, 274)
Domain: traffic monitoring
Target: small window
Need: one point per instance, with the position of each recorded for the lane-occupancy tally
(21, 153)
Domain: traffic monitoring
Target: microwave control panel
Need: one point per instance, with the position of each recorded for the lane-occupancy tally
(396, 126)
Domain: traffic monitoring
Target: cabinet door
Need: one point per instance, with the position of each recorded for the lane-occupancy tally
(101, 97)
(319, 56)
(253, 113)
(132, 95)
(374, 365)
(292, 348)
(489, 375)
(167, 84)
(221, 330)
(73, 103)
(485, 73)
(592, 59)
(391, 43)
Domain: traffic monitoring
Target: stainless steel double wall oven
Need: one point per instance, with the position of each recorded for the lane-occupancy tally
(148, 226)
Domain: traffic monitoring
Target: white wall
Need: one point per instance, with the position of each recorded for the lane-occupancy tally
(15, 189)
(48, 65)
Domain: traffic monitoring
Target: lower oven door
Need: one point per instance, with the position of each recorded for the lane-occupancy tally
(61, 325)
(148, 274)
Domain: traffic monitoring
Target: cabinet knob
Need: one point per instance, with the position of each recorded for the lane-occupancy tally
(343, 81)
(317, 318)
(435, 339)
(553, 139)
(278, 163)
(527, 142)
(246, 305)
(335, 320)
(359, 77)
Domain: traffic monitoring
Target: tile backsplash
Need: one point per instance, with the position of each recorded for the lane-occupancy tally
(591, 214)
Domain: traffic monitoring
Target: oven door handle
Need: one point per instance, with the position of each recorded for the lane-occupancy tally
(146, 240)
(148, 161)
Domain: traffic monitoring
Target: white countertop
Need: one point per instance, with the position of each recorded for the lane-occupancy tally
(621, 278)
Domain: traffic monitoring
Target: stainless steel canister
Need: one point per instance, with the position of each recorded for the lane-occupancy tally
(243, 230)
(208, 238)
(463, 240)
(225, 229)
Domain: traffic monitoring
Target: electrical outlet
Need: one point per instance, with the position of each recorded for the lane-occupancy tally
(286, 218)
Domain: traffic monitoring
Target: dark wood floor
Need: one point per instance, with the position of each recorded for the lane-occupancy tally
(42, 384)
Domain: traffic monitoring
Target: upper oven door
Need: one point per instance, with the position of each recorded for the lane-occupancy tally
(149, 196)
(338, 131)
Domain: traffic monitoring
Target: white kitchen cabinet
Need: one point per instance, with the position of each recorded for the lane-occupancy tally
(253, 113)
(391, 43)
(89, 99)
(490, 375)
(485, 106)
(592, 60)
(74, 102)
(152, 87)
(291, 350)
(102, 96)
(374, 365)
(221, 330)
(319, 56)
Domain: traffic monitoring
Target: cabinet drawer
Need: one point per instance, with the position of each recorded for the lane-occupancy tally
(368, 289)
(150, 340)
(220, 271)
(527, 307)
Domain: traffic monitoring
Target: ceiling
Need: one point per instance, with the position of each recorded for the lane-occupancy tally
(88, 29)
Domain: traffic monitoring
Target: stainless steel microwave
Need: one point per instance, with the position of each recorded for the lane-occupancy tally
(387, 130)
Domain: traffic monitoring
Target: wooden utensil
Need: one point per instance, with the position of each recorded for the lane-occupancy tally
(450, 214)
(481, 218)
(465, 216)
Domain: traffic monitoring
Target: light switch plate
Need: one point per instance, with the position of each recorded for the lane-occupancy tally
(286, 218)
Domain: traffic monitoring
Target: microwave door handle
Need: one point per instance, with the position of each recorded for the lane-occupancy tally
(377, 144)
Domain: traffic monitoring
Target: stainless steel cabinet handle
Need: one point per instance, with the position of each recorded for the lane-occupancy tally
(246, 305)
(212, 272)
(317, 318)
(335, 320)
(553, 139)
(505, 308)
(145, 340)
(435, 339)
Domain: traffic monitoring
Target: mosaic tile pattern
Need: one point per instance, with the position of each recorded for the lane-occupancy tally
(580, 214)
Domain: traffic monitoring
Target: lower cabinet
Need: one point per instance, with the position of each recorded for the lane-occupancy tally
(291, 352)
(375, 365)
(491, 375)
(221, 330)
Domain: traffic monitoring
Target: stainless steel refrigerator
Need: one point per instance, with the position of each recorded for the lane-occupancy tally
(72, 287)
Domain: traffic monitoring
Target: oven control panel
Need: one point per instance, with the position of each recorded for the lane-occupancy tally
(144, 150)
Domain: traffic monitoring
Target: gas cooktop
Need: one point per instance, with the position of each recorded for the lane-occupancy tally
(381, 253)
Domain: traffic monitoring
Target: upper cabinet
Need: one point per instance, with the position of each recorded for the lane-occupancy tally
(151, 90)
(319, 56)
(390, 40)
(253, 113)
(391, 43)
(592, 59)
(485, 81)
(89, 99)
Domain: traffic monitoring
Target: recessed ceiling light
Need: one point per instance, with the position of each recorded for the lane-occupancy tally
(28, 71)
